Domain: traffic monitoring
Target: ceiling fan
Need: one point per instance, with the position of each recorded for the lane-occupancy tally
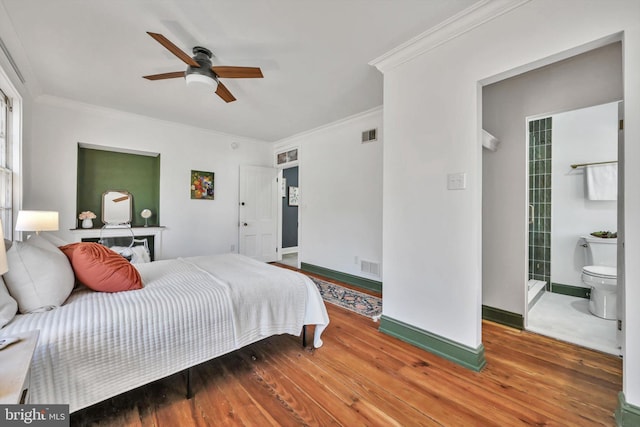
(200, 69)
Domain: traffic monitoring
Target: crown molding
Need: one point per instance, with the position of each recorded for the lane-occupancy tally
(460, 23)
(13, 58)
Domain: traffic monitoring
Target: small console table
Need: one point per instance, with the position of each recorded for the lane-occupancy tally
(15, 368)
(95, 233)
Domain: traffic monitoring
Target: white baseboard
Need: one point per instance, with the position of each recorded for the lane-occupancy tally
(291, 250)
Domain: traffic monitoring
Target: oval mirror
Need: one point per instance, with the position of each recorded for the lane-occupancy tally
(116, 207)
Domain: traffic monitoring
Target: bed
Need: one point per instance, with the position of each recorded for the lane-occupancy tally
(190, 310)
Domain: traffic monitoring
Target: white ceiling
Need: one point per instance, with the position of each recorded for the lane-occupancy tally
(314, 55)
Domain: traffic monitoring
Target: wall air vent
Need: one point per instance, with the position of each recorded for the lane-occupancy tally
(370, 135)
(370, 267)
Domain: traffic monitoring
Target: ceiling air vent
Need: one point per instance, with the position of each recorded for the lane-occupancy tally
(369, 135)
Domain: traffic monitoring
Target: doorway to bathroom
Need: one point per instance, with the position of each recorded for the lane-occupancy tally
(564, 208)
(511, 195)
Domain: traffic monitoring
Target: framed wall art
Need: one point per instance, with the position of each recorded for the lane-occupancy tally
(294, 196)
(202, 185)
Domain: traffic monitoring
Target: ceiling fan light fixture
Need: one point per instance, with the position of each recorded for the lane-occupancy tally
(200, 71)
(199, 79)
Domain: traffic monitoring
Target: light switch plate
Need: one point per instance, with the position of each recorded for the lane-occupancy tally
(457, 181)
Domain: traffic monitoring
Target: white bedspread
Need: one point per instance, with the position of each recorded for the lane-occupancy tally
(99, 345)
(251, 282)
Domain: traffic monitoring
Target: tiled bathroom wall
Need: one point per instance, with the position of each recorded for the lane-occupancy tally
(540, 200)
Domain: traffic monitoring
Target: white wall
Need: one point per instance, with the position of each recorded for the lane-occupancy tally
(432, 118)
(340, 182)
(580, 136)
(194, 227)
(592, 78)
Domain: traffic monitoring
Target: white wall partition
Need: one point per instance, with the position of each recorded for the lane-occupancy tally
(432, 120)
(194, 227)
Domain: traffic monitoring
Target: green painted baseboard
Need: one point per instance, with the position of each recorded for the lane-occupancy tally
(574, 291)
(349, 279)
(466, 356)
(627, 415)
(503, 317)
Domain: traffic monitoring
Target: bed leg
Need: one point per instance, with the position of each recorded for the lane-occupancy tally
(304, 336)
(189, 390)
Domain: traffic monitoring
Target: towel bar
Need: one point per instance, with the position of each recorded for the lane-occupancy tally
(579, 165)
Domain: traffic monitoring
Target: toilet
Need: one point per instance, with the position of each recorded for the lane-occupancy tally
(601, 276)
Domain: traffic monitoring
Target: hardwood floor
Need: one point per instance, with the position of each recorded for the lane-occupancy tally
(363, 377)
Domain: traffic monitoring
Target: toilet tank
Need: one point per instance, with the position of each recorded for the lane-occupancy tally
(601, 251)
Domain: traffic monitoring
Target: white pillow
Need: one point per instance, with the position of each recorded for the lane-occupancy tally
(8, 306)
(40, 277)
(57, 241)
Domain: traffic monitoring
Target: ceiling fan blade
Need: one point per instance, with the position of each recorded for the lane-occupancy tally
(237, 72)
(172, 75)
(224, 93)
(174, 49)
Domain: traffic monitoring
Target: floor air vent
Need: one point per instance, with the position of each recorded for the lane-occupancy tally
(370, 267)
(370, 135)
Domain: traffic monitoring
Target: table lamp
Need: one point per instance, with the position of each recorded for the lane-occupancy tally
(146, 214)
(37, 221)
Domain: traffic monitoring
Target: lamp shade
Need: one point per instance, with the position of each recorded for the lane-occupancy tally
(4, 266)
(37, 221)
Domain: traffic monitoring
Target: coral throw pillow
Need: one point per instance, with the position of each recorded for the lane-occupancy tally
(101, 269)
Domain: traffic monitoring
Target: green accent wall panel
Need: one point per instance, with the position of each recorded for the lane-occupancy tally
(100, 170)
(471, 358)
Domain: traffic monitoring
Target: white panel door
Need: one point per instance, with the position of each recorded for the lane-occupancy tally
(258, 213)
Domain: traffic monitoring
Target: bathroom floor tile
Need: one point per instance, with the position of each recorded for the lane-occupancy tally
(568, 319)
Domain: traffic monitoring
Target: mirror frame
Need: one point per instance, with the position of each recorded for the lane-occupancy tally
(122, 215)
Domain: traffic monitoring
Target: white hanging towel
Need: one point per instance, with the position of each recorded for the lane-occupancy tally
(602, 181)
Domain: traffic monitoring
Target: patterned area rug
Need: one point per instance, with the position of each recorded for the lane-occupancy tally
(358, 302)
